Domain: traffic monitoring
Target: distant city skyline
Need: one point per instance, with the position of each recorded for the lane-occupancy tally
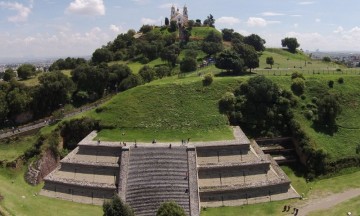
(43, 28)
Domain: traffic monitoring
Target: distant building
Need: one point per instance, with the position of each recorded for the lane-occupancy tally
(181, 19)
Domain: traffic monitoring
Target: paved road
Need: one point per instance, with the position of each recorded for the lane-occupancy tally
(44, 122)
(328, 202)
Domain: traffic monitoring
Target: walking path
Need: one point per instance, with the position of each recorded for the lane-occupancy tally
(328, 202)
(46, 121)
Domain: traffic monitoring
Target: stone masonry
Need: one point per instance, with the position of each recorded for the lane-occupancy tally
(194, 175)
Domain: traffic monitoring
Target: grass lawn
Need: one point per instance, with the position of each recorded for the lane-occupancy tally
(33, 81)
(286, 60)
(201, 32)
(175, 109)
(342, 143)
(20, 199)
(11, 150)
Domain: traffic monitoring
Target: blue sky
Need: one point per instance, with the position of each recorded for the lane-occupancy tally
(40, 28)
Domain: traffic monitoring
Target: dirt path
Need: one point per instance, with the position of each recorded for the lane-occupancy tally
(327, 202)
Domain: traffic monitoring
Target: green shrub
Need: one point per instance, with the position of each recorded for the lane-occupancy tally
(188, 64)
(341, 80)
(309, 114)
(338, 70)
(208, 79)
(303, 97)
(298, 86)
(170, 208)
(331, 84)
(314, 100)
(297, 75)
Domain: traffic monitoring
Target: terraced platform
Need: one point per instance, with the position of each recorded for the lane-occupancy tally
(194, 175)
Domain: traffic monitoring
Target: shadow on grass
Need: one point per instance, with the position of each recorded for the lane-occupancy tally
(230, 74)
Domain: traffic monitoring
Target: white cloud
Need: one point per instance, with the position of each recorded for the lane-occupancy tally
(61, 43)
(296, 15)
(296, 25)
(116, 29)
(306, 3)
(148, 21)
(259, 22)
(317, 20)
(272, 14)
(22, 11)
(228, 20)
(339, 29)
(87, 7)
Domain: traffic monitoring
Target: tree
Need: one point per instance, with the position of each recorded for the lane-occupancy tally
(188, 64)
(167, 22)
(270, 61)
(91, 79)
(116, 207)
(145, 28)
(247, 53)
(229, 61)
(170, 208)
(102, 55)
(261, 108)
(25, 71)
(328, 109)
(210, 21)
(74, 130)
(147, 74)
(162, 71)
(227, 34)
(9, 74)
(131, 81)
(212, 43)
(256, 41)
(4, 108)
(173, 26)
(326, 59)
(170, 54)
(197, 22)
(290, 43)
(54, 89)
(298, 86)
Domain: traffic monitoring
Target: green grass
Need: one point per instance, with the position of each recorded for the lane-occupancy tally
(298, 61)
(32, 81)
(168, 109)
(201, 32)
(342, 143)
(13, 188)
(12, 149)
(67, 73)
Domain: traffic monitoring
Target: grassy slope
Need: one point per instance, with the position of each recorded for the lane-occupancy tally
(13, 149)
(168, 109)
(284, 59)
(344, 142)
(13, 188)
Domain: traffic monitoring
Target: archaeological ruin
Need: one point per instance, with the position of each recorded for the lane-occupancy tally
(193, 174)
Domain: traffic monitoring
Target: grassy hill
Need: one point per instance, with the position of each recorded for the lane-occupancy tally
(298, 61)
(167, 110)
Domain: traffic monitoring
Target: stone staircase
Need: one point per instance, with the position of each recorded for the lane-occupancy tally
(157, 175)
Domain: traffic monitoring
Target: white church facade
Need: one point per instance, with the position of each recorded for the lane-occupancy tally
(181, 18)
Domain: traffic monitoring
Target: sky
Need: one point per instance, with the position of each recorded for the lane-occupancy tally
(60, 28)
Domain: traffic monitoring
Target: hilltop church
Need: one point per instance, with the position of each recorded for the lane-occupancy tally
(181, 19)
